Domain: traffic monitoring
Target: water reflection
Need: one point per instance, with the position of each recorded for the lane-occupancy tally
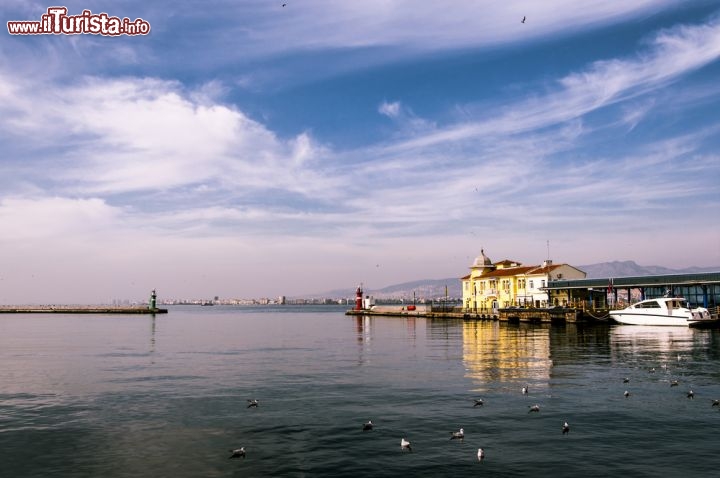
(363, 330)
(666, 344)
(152, 335)
(494, 352)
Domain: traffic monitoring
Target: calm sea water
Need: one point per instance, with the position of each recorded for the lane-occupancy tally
(117, 396)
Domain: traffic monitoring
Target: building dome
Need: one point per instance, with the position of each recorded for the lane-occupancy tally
(482, 260)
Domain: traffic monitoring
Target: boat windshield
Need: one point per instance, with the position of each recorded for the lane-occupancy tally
(648, 304)
(679, 303)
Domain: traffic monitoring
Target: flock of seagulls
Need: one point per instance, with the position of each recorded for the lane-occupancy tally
(404, 442)
(673, 383)
(460, 434)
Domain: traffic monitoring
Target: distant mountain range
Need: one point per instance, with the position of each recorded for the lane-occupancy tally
(435, 288)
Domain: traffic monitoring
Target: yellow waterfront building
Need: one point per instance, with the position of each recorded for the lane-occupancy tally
(491, 286)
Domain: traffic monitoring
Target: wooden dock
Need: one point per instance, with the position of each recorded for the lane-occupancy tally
(62, 309)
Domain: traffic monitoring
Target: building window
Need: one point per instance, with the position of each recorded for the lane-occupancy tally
(531, 284)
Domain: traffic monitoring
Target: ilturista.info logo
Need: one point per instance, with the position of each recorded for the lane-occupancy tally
(57, 22)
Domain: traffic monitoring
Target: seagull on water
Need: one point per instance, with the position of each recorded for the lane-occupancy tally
(525, 389)
(237, 453)
(673, 383)
(691, 394)
(481, 454)
(534, 408)
(565, 428)
(627, 394)
(458, 435)
(405, 445)
(368, 426)
(479, 403)
(626, 380)
(253, 403)
(715, 403)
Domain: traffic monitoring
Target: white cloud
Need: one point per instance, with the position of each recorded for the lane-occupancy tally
(391, 110)
(148, 134)
(55, 218)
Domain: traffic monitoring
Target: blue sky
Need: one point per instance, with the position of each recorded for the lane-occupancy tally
(245, 149)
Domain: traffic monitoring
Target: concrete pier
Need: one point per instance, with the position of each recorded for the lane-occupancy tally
(61, 309)
(516, 314)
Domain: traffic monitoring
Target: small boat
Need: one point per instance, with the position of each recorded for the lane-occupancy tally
(663, 311)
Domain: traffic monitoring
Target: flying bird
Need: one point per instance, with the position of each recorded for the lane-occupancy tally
(253, 403)
(405, 445)
(534, 408)
(565, 428)
(458, 435)
(481, 454)
(367, 426)
(479, 403)
(523, 20)
(238, 453)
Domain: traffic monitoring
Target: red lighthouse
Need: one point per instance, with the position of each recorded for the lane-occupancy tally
(359, 298)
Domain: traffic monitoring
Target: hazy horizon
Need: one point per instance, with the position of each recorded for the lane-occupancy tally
(246, 149)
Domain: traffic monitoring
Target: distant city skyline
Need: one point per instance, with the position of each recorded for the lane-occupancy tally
(256, 150)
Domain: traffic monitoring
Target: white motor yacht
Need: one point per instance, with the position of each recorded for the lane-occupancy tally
(662, 311)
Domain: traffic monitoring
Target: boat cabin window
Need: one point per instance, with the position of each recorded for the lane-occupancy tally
(650, 304)
(679, 303)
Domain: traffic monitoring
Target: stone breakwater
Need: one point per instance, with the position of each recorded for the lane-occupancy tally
(74, 309)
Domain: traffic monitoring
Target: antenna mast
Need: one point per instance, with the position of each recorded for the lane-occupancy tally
(548, 249)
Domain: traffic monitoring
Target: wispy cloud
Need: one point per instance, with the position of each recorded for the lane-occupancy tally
(150, 136)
